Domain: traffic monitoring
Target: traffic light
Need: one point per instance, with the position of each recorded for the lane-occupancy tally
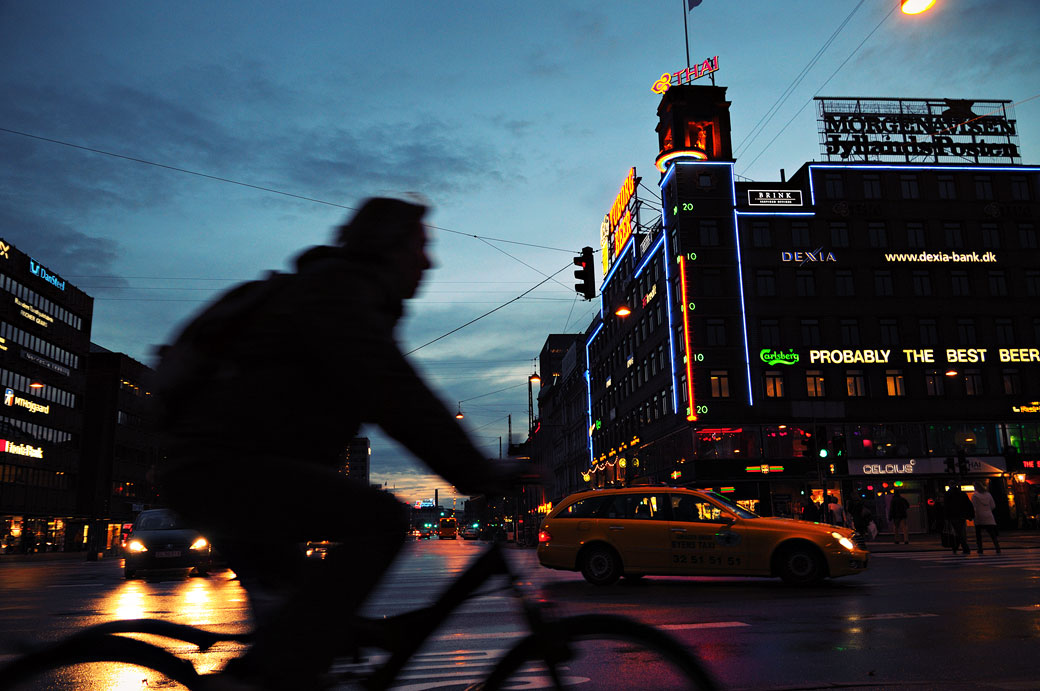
(962, 462)
(586, 274)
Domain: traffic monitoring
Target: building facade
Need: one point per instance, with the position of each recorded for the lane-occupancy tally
(867, 324)
(44, 339)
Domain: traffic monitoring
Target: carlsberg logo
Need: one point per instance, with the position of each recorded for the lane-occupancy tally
(775, 357)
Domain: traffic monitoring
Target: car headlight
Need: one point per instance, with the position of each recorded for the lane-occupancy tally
(200, 544)
(136, 546)
(843, 541)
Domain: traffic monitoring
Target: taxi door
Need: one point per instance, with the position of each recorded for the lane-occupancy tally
(637, 525)
(704, 539)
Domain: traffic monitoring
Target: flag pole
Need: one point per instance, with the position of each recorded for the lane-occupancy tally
(686, 33)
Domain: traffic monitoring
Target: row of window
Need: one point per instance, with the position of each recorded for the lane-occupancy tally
(879, 234)
(36, 300)
(961, 283)
(37, 344)
(887, 333)
(618, 429)
(47, 393)
(36, 432)
(34, 477)
(775, 383)
(946, 187)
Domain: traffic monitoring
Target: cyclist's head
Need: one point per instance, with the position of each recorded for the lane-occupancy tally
(389, 230)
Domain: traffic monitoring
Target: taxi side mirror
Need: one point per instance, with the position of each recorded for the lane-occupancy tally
(727, 519)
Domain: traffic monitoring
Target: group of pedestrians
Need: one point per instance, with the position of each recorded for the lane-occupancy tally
(959, 509)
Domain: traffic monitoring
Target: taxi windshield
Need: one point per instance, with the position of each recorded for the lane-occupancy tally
(733, 506)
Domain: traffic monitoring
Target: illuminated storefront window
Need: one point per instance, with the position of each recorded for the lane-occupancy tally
(774, 385)
(894, 385)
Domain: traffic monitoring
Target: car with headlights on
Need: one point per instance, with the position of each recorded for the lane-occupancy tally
(160, 541)
(637, 531)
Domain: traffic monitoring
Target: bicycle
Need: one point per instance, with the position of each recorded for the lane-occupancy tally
(553, 642)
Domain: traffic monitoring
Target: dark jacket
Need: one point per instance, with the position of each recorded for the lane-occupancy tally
(897, 508)
(958, 507)
(291, 366)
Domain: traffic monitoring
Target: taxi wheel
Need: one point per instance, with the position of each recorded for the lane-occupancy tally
(800, 566)
(600, 566)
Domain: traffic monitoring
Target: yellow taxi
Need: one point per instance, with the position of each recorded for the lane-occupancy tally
(637, 531)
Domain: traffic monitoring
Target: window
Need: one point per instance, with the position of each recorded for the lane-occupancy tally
(691, 509)
(972, 382)
(1005, 332)
(849, 332)
(952, 232)
(855, 385)
(765, 283)
(983, 187)
(1019, 188)
(774, 385)
(719, 384)
(715, 332)
(889, 332)
(638, 506)
(922, 283)
(871, 186)
(997, 283)
(1032, 282)
(947, 188)
(814, 383)
(805, 284)
(761, 234)
(843, 284)
(908, 186)
(839, 233)
(799, 234)
(929, 332)
(966, 331)
(959, 285)
(810, 333)
(1027, 236)
(835, 187)
(915, 235)
(883, 283)
(934, 382)
(770, 333)
(1012, 382)
(877, 234)
(894, 385)
(990, 236)
(709, 231)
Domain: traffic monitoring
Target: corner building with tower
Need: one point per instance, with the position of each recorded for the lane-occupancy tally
(867, 324)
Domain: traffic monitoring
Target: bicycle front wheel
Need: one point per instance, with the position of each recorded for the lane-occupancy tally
(600, 651)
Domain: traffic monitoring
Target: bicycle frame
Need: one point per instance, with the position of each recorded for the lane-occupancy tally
(424, 621)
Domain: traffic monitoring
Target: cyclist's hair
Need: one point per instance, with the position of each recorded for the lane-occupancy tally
(381, 224)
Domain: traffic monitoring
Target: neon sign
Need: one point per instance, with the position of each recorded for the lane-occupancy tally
(616, 228)
(774, 197)
(765, 469)
(10, 399)
(1033, 407)
(21, 449)
(686, 75)
(807, 256)
(691, 412)
(775, 357)
(37, 270)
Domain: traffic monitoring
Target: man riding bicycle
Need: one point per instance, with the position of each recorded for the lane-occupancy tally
(259, 396)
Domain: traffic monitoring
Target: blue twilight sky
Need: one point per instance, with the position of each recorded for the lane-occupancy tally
(517, 121)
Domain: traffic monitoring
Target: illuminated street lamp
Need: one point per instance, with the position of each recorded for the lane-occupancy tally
(36, 385)
(533, 379)
(915, 6)
(459, 415)
(623, 311)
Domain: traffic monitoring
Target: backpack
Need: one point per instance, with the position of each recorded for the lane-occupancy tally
(199, 352)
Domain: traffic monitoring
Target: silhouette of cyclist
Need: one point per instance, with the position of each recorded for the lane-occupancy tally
(258, 398)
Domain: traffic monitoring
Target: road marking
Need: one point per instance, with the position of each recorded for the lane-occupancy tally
(702, 625)
(893, 615)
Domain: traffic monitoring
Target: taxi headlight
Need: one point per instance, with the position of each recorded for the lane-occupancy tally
(200, 544)
(136, 546)
(843, 541)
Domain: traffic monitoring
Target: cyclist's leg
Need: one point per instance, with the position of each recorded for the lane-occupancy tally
(259, 512)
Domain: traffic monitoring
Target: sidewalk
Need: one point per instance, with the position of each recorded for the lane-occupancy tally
(930, 542)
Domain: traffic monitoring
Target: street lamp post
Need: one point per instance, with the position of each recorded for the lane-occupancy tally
(533, 379)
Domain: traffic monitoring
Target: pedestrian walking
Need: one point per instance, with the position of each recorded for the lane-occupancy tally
(958, 510)
(983, 503)
(897, 511)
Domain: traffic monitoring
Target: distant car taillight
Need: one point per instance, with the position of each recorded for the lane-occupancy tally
(544, 536)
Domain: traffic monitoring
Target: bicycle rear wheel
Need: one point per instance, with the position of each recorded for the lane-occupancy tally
(620, 653)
